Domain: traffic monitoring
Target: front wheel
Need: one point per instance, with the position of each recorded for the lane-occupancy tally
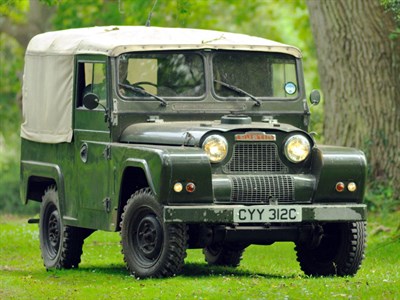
(340, 251)
(151, 248)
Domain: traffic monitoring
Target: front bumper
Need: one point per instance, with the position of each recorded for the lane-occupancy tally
(225, 214)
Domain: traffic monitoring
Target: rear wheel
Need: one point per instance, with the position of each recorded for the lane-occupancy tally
(223, 254)
(61, 245)
(151, 248)
(340, 251)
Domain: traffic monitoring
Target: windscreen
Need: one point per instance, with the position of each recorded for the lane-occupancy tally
(162, 74)
(260, 74)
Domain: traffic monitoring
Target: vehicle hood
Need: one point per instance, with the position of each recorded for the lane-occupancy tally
(190, 133)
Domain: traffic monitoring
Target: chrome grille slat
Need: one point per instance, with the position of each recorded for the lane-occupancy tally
(256, 158)
(260, 189)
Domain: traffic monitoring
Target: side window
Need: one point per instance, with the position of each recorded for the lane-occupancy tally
(92, 79)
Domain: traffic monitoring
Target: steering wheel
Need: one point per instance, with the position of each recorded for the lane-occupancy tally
(145, 83)
(162, 90)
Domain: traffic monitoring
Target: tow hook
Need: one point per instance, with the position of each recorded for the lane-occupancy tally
(33, 221)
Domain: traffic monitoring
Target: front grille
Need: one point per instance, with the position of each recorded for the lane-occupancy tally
(255, 157)
(262, 189)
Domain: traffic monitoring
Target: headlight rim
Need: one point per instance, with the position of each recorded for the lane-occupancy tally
(286, 144)
(224, 141)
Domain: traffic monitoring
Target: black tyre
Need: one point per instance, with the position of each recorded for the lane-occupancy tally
(150, 247)
(61, 245)
(223, 255)
(340, 251)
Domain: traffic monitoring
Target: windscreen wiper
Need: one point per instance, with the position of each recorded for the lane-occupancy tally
(143, 92)
(239, 91)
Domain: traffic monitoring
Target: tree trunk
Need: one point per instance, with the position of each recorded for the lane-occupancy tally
(359, 66)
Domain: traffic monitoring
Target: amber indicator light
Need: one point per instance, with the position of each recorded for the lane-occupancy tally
(190, 187)
(340, 187)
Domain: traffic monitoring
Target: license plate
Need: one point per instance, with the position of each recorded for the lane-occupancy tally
(267, 213)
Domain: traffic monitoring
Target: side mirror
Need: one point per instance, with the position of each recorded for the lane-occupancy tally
(315, 97)
(91, 101)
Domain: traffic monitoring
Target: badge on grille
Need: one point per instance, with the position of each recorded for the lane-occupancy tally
(255, 136)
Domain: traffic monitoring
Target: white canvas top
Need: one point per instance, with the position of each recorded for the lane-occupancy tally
(114, 40)
(49, 65)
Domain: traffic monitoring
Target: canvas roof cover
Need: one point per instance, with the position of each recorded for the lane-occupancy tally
(49, 64)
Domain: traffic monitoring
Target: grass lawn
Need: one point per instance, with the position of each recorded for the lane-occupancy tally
(266, 272)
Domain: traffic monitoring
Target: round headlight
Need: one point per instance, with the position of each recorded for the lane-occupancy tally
(297, 148)
(216, 148)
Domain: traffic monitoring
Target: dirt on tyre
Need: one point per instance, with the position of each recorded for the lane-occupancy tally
(151, 248)
(340, 251)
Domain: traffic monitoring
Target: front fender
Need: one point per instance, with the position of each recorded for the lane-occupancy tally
(187, 164)
(332, 164)
(164, 166)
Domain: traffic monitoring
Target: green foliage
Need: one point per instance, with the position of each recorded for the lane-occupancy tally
(11, 69)
(393, 6)
(266, 272)
(284, 21)
(14, 9)
(380, 198)
(10, 74)
(9, 187)
(9, 177)
(76, 13)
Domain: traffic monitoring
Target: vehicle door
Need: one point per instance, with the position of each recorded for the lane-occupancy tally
(92, 143)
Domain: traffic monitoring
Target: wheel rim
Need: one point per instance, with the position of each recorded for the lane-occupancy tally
(147, 239)
(329, 247)
(214, 249)
(52, 231)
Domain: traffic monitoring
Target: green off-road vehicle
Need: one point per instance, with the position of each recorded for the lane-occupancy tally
(182, 138)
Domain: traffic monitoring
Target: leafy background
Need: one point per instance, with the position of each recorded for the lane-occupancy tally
(283, 21)
(266, 272)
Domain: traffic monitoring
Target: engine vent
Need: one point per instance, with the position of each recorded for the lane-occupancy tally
(262, 189)
(255, 157)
